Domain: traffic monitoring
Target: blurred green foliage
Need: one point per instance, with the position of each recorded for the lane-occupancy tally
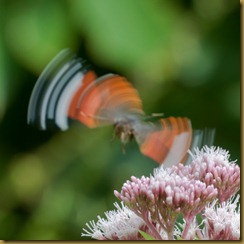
(183, 56)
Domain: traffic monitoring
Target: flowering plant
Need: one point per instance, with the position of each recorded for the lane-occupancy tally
(201, 194)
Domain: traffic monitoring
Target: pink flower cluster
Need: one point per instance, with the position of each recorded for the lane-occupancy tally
(187, 191)
(162, 197)
(122, 224)
(212, 166)
(222, 223)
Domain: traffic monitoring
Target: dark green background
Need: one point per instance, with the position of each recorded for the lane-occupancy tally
(183, 56)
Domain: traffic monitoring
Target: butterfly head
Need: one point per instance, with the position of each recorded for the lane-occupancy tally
(124, 131)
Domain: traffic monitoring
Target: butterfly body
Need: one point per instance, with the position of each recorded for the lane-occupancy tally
(125, 132)
(69, 89)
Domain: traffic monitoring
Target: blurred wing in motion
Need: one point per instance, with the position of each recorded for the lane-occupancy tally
(67, 88)
(55, 89)
(109, 99)
(201, 138)
(167, 141)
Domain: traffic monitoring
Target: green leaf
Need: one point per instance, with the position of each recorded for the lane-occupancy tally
(146, 236)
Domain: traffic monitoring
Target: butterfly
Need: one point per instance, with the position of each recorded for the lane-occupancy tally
(69, 89)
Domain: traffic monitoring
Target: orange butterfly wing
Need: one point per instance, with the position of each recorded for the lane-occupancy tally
(51, 98)
(87, 80)
(168, 142)
(105, 100)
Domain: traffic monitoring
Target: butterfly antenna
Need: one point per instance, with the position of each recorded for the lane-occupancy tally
(153, 117)
(93, 116)
(157, 115)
